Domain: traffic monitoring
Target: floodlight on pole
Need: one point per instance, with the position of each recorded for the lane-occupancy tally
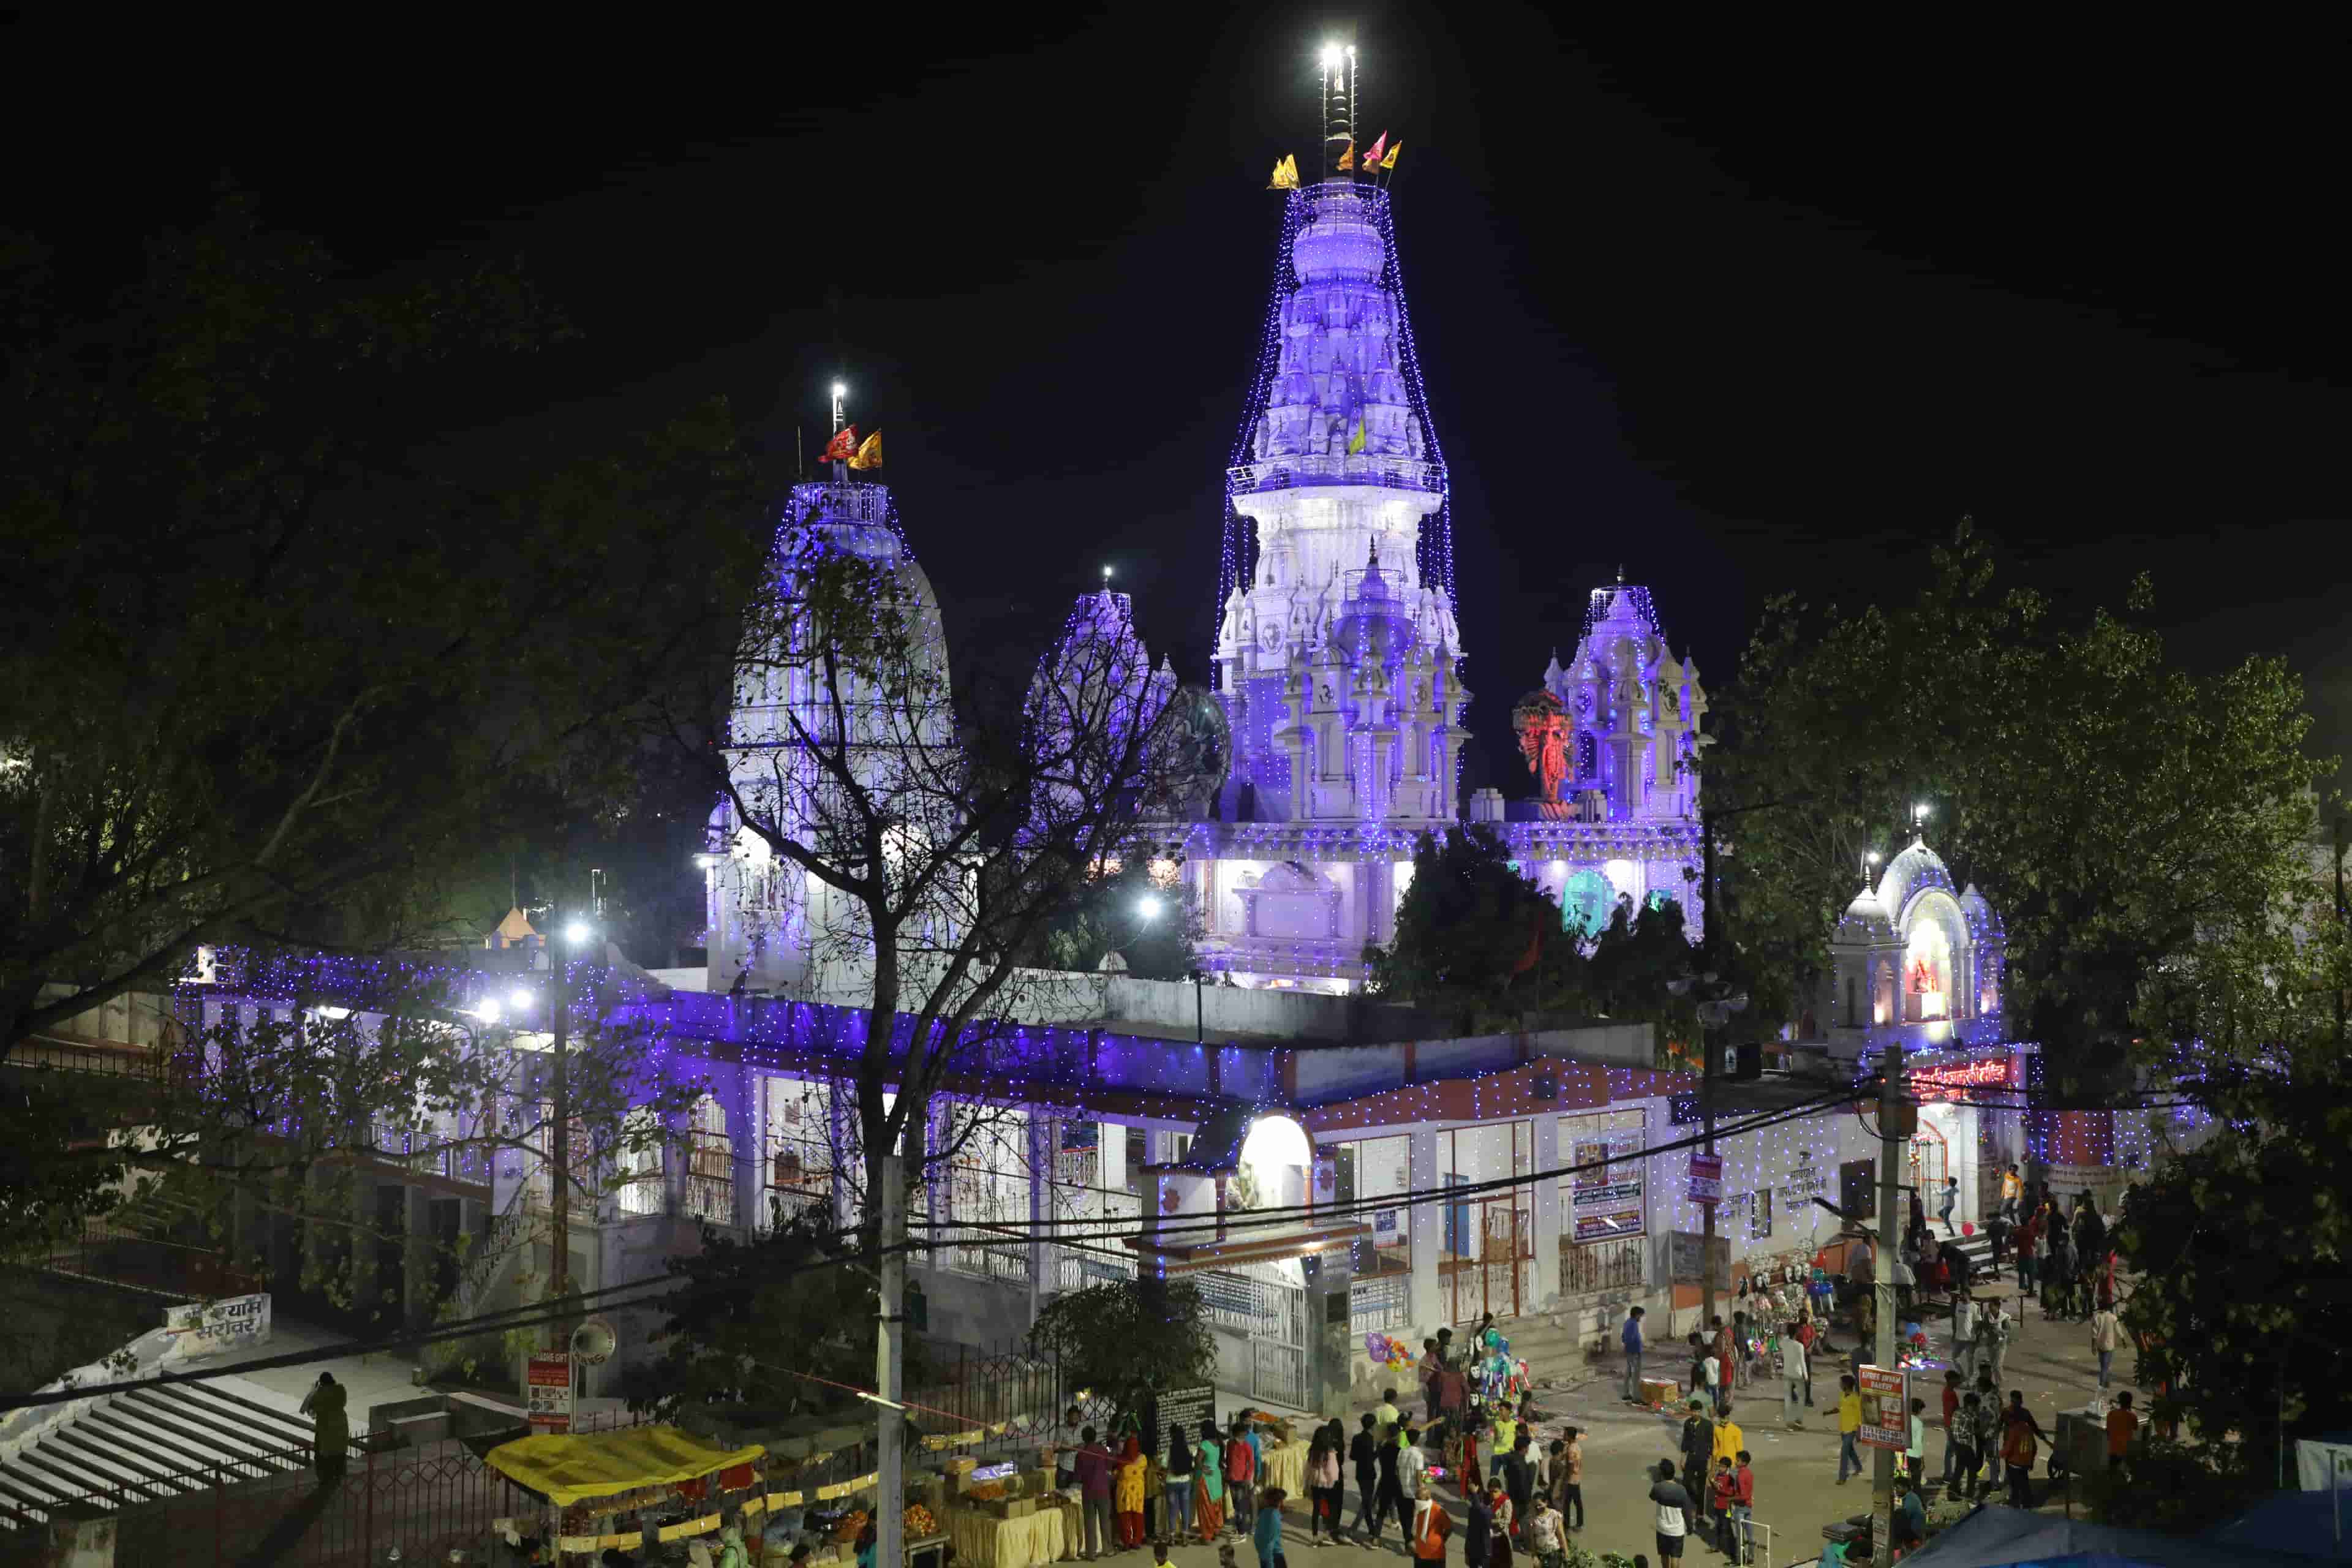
(577, 933)
(519, 998)
(1147, 906)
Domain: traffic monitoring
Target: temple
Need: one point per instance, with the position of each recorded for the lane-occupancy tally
(1338, 655)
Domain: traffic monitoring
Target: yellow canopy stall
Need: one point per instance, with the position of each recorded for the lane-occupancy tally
(570, 1469)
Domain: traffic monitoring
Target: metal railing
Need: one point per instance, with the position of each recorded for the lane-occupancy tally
(1602, 1265)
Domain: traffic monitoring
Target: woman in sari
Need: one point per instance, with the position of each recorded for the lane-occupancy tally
(1209, 1483)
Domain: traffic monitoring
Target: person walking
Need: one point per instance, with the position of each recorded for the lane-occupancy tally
(1242, 1477)
(1981, 1407)
(1323, 1489)
(1955, 1438)
(327, 1406)
(1727, 1355)
(1364, 1454)
(1571, 1482)
(2012, 1187)
(1432, 1364)
(1914, 1453)
(1209, 1484)
(2017, 1448)
(2106, 1332)
(1392, 1497)
(1266, 1531)
(1629, 1337)
(1796, 1376)
(1994, 1327)
(1518, 1478)
(1546, 1541)
(1429, 1526)
(1506, 1521)
(1176, 1479)
(1477, 1528)
(1412, 1465)
(2122, 1425)
(1998, 1231)
(1849, 1427)
(1951, 1202)
(1809, 1334)
(1964, 1334)
(1677, 1516)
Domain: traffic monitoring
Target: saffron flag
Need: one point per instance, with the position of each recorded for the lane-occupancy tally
(1356, 440)
(869, 453)
(1389, 162)
(1286, 174)
(1378, 151)
(1347, 159)
(842, 447)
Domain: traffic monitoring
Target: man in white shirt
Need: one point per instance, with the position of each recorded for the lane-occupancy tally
(1673, 1510)
(1793, 1376)
(1964, 1325)
(1413, 1465)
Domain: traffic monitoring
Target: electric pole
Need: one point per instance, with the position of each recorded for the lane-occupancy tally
(889, 1364)
(1893, 1134)
(559, 1194)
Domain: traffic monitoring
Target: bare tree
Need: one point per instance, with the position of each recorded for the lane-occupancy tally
(907, 841)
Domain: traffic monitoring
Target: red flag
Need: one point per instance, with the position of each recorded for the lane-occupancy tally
(1380, 150)
(842, 447)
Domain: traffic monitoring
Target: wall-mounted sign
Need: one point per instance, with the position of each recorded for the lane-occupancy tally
(1955, 1082)
(240, 1322)
(1687, 1253)
(1384, 1228)
(1805, 1179)
(1706, 1178)
(1604, 1201)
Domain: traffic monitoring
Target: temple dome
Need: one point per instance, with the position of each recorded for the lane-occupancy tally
(1916, 867)
(1866, 921)
(1984, 920)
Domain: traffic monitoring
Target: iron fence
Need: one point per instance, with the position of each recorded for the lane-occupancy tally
(1602, 1265)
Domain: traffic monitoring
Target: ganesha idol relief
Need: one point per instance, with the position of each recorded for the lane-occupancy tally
(1542, 721)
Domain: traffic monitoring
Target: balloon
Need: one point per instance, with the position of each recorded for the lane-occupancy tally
(1968, 1227)
(1375, 1345)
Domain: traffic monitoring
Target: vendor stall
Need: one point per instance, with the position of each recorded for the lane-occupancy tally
(617, 1489)
(983, 1539)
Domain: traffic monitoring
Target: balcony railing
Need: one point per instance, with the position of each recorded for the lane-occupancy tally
(1338, 468)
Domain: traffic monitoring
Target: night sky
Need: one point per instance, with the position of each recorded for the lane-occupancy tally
(1743, 311)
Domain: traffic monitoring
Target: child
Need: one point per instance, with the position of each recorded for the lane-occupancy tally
(1743, 1504)
(1266, 1534)
(1159, 1553)
(1723, 1492)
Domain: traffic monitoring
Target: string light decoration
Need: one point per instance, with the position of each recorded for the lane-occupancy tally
(1433, 554)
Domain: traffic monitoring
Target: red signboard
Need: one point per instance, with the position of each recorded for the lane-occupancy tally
(1954, 1082)
(546, 1391)
(1706, 1178)
(1885, 1417)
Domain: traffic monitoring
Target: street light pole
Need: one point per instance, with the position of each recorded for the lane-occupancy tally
(1891, 1135)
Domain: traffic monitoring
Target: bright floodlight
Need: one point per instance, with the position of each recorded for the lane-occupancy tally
(1332, 55)
(488, 1011)
(576, 933)
(1919, 812)
(1147, 906)
(840, 389)
(519, 998)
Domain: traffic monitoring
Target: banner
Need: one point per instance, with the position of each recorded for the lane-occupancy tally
(1885, 1424)
(1706, 1178)
(1604, 1202)
(546, 1391)
(238, 1322)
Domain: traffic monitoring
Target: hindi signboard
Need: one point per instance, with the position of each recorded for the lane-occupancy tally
(1706, 1178)
(1188, 1407)
(1604, 1202)
(1885, 1424)
(238, 1322)
(546, 1391)
(1688, 1258)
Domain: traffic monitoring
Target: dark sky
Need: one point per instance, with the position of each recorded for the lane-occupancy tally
(1742, 311)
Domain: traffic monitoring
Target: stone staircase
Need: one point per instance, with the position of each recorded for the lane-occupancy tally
(154, 1443)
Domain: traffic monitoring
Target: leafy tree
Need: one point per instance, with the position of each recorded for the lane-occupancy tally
(2120, 812)
(777, 1326)
(2242, 1307)
(1637, 968)
(271, 674)
(268, 1130)
(1130, 1338)
(1476, 936)
(1110, 920)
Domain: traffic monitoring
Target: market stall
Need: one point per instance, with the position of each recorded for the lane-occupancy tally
(622, 1487)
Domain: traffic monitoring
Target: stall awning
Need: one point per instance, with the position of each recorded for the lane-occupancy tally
(567, 1470)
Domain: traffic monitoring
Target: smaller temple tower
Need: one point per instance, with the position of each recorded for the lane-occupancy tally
(1913, 959)
(1634, 717)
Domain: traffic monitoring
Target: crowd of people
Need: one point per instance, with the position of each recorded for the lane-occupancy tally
(1518, 1494)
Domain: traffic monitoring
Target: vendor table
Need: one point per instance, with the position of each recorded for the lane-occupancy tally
(1287, 1468)
(984, 1541)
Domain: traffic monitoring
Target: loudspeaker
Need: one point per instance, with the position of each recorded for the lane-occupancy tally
(593, 1341)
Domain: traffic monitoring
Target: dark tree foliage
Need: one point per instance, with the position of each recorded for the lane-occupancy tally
(272, 667)
(1476, 936)
(1130, 1339)
(779, 1326)
(2121, 812)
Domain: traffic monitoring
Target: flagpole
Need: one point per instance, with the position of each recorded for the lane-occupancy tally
(840, 470)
